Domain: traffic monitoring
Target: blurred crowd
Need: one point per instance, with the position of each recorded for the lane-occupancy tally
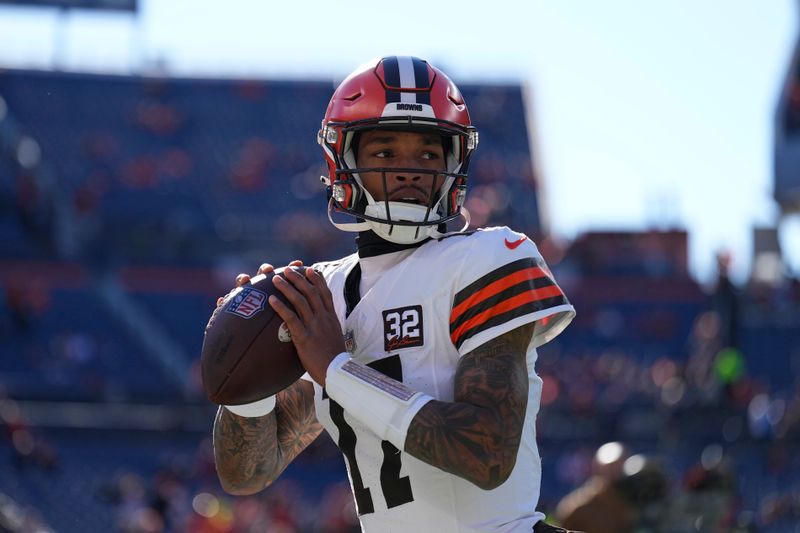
(703, 405)
(699, 433)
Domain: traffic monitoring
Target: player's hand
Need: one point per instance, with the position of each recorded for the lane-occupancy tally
(241, 279)
(314, 326)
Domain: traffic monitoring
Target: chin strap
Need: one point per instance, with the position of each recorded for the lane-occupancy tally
(425, 231)
(352, 227)
(436, 234)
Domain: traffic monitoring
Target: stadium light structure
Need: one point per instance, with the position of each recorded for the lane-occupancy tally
(102, 5)
(787, 137)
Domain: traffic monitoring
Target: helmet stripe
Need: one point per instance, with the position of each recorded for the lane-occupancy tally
(391, 74)
(422, 81)
(405, 72)
(407, 79)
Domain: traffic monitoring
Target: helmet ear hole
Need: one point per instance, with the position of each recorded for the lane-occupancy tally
(349, 154)
(457, 195)
(345, 194)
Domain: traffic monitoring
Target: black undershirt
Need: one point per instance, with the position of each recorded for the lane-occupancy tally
(370, 245)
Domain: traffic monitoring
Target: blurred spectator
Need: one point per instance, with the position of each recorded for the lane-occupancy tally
(725, 301)
(645, 486)
(250, 169)
(705, 344)
(28, 447)
(792, 115)
(789, 425)
(781, 510)
(707, 501)
(26, 301)
(617, 500)
(157, 117)
(304, 232)
(606, 469)
(337, 512)
(36, 215)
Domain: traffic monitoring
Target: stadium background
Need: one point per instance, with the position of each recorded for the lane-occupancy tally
(129, 202)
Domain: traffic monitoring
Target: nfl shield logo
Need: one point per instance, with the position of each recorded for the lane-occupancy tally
(248, 303)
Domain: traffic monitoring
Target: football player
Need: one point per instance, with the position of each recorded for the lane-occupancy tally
(420, 348)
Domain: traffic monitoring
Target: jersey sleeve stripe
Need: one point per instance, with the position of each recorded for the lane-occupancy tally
(526, 302)
(535, 275)
(494, 275)
(525, 285)
(496, 320)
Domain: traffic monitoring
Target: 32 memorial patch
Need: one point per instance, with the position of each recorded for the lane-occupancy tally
(402, 328)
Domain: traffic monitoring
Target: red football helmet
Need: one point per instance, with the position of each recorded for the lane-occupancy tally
(397, 93)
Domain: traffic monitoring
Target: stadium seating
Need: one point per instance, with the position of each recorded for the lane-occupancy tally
(176, 185)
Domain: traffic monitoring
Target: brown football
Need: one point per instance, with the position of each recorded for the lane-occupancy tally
(247, 352)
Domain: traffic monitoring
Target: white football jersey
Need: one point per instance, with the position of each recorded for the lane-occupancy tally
(435, 304)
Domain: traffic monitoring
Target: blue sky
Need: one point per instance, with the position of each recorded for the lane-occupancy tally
(646, 114)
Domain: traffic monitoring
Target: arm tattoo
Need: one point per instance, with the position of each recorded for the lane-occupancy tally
(250, 453)
(477, 436)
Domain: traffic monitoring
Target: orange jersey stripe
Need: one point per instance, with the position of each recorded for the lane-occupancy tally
(506, 305)
(496, 287)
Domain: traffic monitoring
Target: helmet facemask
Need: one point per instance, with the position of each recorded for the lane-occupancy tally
(399, 221)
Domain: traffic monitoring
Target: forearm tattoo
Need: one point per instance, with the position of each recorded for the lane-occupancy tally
(477, 436)
(250, 453)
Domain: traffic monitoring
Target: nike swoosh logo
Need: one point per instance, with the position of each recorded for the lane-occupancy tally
(513, 245)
